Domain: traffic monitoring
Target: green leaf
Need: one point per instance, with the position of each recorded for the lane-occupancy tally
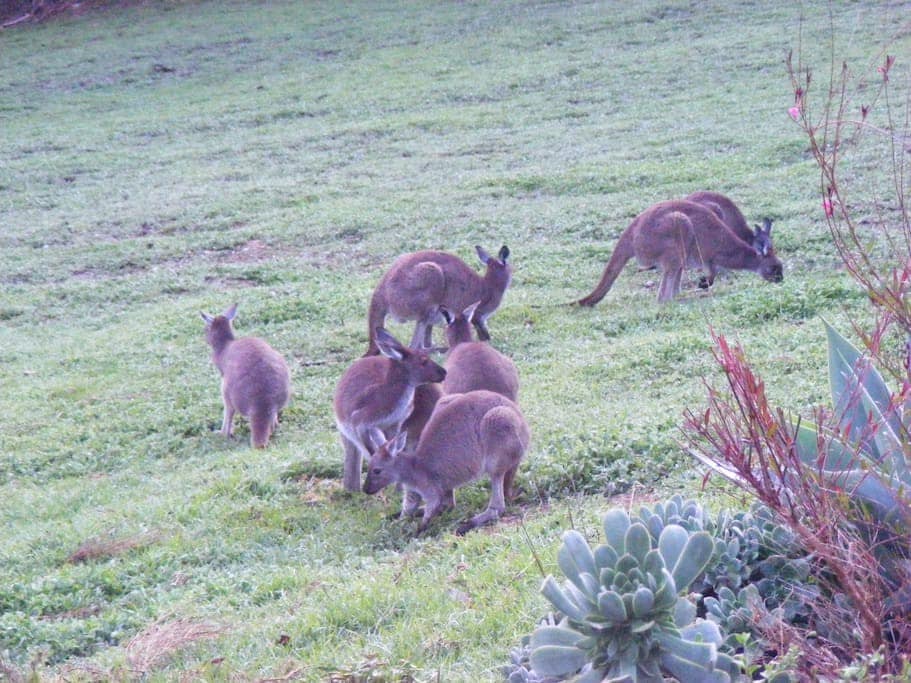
(610, 604)
(616, 522)
(575, 557)
(559, 599)
(693, 559)
(557, 660)
(555, 635)
(671, 543)
(643, 601)
(856, 388)
(699, 654)
(605, 557)
(837, 457)
(638, 542)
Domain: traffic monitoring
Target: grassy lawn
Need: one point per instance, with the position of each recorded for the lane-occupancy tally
(164, 157)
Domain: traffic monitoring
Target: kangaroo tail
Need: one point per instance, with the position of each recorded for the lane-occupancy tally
(623, 252)
(376, 317)
(262, 422)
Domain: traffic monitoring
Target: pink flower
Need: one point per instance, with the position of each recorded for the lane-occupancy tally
(794, 112)
(827, 207)
(884, 69)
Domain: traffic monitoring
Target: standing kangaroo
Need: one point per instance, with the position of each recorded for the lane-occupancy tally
(677, 234)
(375, 396)
(732, 217)
(417, 285)
(468, 435)
(255, 381)
(472, 365)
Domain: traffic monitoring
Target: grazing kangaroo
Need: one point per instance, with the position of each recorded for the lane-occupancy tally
(731, 216)
(468, 435)
(677, 234)
(417, 285)
(255, 381)
(375, 396)
(472, 365)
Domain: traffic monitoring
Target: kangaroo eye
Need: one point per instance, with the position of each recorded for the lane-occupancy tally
(377, 470)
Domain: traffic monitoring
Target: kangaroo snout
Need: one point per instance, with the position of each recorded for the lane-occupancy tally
(774, 274)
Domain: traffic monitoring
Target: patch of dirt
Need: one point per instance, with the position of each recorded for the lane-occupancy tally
(22, 12)
(102, 548)
(154, 646)
(252, 251)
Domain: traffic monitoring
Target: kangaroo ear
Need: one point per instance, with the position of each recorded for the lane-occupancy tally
(469, 312)
(504, 253)
(388, 345)
(231, 312)
(483, 255)
(398, 443)
(447, 315)
(767, 224)
(208, 318)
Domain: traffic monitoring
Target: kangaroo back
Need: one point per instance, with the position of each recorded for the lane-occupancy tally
(469, 435)
(472, 365)
(419, 283)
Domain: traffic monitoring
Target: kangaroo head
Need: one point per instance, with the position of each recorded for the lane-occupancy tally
(770, 267)
(380, 469)
(762, 238)
(219, 328)
(418, 365)
(499, 272)
(458, 327)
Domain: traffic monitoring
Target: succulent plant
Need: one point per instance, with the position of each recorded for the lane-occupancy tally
(623, 615)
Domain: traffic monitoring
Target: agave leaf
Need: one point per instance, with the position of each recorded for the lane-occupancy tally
(838, 456)
(852, 376)
(887, 439)
(616, 522)
(561, 600)
(555, 635)
(867, 487)
(693, 559)
(638, 542)
(557, 660)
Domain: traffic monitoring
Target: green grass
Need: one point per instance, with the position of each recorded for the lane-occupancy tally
(171, 157)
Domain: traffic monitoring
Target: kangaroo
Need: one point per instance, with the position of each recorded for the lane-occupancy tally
(472, 365)
(468, 435)
(375, 396)
(255, 381)
(419, 283)
(730, 215)
(677, 234)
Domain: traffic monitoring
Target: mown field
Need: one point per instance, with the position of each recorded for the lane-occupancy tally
(158, 159)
